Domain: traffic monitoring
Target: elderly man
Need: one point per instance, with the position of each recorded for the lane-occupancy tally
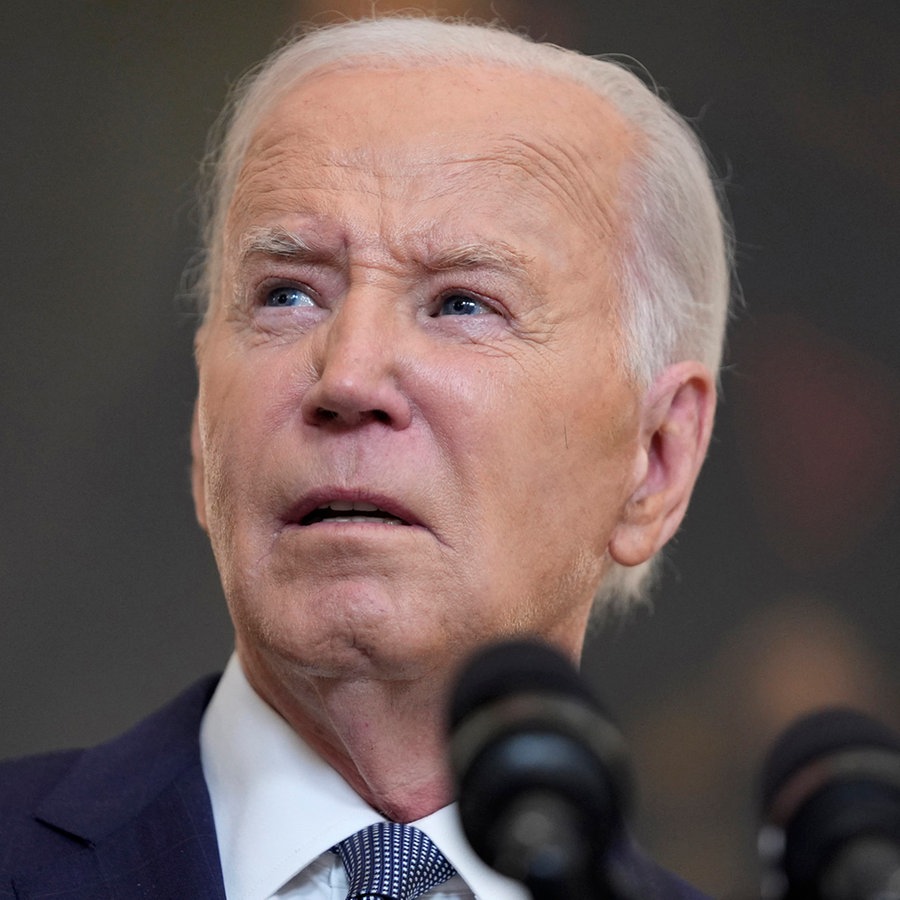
(464, 301)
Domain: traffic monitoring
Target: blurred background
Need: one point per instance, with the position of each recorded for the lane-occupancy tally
(781, 592)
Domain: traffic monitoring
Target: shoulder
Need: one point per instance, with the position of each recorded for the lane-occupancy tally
(649, 880)
(24, 780)
(670, 887)
(62, 801)
(173, 726)
(23, 785)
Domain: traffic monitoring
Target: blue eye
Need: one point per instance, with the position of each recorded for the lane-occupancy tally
(463, 305)
(288, 296)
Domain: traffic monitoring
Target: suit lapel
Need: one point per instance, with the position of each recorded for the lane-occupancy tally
(132, 817)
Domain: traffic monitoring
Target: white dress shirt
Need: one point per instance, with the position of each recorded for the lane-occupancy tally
(279, 808)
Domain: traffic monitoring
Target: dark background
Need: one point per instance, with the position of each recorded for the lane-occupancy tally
(781, 592)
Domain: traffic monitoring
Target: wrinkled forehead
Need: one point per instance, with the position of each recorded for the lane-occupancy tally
(487, 153)
(410, 119)
(502, 89)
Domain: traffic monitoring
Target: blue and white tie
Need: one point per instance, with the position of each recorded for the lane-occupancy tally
(389, 861)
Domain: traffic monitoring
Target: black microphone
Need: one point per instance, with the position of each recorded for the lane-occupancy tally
(542, 777)
(831, 810)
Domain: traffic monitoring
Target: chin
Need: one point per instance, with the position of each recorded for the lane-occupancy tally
(343, 647)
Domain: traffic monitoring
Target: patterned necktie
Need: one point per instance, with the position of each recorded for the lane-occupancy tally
(389, 861)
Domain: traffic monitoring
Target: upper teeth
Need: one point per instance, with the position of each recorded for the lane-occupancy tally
(350, 505)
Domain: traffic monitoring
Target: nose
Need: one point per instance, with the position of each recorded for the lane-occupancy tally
(357, 369)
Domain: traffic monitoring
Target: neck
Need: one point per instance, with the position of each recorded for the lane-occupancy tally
(386, 738)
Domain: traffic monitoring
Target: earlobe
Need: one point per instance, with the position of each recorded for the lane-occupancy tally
(677, 419)
(198, 473)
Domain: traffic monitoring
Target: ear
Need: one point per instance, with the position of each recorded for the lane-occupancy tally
(676, 424)
(198, 471)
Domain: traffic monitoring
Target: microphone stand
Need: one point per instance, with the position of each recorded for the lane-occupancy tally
(543, 846)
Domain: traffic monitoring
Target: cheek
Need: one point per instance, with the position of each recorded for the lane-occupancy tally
(244, 400)
(571, 466)
(232, 430)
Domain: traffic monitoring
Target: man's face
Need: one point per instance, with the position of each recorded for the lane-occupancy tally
(414, 434)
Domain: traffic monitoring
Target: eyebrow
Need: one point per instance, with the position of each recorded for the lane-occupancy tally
(280, 242)
(500, 257)
(284, 244)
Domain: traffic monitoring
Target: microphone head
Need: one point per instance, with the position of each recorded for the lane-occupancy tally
(514, 667)
(527, 734)
(832, 778)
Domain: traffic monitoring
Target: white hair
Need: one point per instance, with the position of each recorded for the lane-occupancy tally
(674, 252)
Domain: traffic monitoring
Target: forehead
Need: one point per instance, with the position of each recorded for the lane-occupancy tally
(481, 139)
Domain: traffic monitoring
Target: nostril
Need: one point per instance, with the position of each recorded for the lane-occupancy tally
(323, 415)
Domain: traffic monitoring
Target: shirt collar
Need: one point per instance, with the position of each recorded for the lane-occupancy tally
(278, 805)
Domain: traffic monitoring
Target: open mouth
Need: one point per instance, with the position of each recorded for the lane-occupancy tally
(344, 511)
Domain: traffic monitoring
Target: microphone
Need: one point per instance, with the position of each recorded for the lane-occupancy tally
(831, 810)
(542, 777)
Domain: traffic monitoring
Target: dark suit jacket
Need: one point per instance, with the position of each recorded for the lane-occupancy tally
(132, 819)
(128, 819)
